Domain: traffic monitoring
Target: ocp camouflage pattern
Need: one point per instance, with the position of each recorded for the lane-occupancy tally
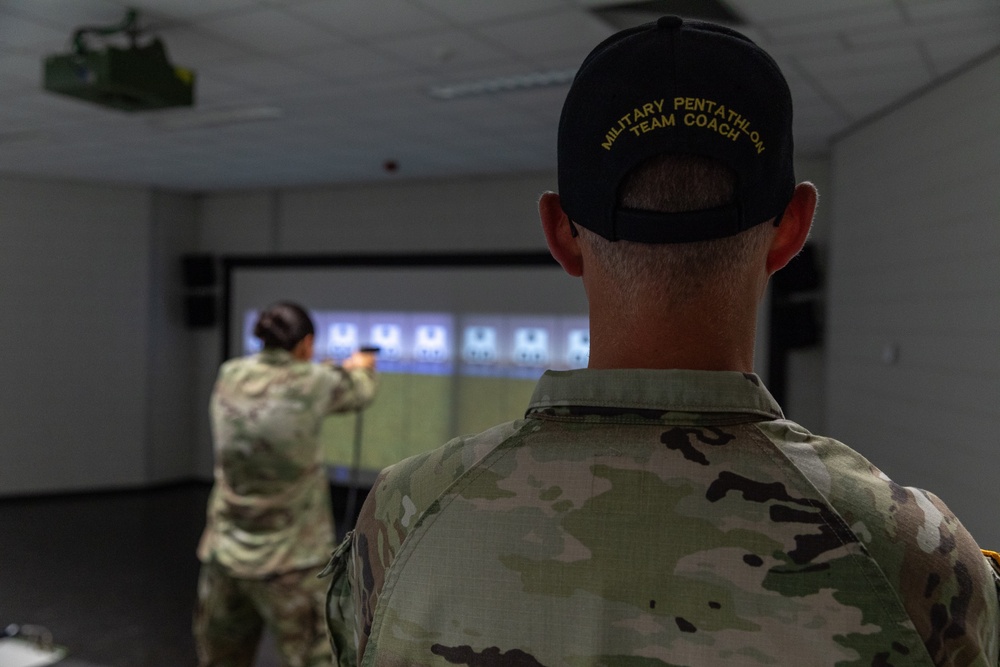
(269, 510)
(228, 620)
(643, 517)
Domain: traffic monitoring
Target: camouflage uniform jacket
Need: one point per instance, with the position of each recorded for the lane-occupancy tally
(656, 518)
(269, 511)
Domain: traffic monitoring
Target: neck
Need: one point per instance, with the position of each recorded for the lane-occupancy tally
(694, 338)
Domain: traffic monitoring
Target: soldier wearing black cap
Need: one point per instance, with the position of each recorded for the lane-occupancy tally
(656, 508)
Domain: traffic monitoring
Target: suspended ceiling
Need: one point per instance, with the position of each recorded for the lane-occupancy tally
(298, 92)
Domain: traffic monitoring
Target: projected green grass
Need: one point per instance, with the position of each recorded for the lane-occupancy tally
(417, 413)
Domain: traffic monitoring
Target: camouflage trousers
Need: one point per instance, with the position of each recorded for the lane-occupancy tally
(232, 613)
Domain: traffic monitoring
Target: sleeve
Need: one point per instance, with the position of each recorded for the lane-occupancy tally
(947, 587)
(937, 569)
(388, 514)
(993, 560)
(351, 390)
(403, 497)
(340, 606)
(400, 497)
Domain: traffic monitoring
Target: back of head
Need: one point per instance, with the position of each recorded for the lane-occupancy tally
(661, 275)
(675, 144)
(681, 88)
(283, 325)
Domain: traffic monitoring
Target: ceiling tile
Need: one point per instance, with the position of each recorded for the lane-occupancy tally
(542, 103)
(398, 112)
(481, 11)
(487, 114)
(18, 69)
(212, 91)
(192, 9)
(949, 54)
(877, 83)
(807, 28)
(932, 10)
(816, 117)
(15, 141)
(565, 32)
(808, 102)
(820, 45)
(31, 36)
(956, 28)
(351, 80)
(48, 108)
(814, 146)
(12, 87)
(65, 16)
(866, 92)
(776, 11)
(350, 62)
(369, 18)
(272, 31)
(442, 51)
(884, 59)
(193, 47)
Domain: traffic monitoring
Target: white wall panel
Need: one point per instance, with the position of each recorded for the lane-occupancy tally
(914, 330)
(475, 214)
(237, 223)
(74, 290)
(171, 413)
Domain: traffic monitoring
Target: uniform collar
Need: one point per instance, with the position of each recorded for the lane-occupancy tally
(638, 391)
(275, 356)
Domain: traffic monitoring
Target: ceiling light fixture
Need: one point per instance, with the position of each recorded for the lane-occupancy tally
(502, 84)
(217, 117)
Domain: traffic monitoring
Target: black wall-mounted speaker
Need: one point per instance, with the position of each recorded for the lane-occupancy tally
(198, 270)
(795, 325)
(799, 275)
(200, 311)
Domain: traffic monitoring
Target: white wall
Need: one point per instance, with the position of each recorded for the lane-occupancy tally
(172, 417)
(86, 402)
(73, 335)
(472, 214)
(914, 329)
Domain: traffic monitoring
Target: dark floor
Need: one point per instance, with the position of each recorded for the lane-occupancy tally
(111, 575)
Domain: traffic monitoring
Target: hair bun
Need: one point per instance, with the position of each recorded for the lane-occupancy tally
(283, 325)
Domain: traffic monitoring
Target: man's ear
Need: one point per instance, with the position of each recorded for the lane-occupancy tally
(563, 244)
(791, 234)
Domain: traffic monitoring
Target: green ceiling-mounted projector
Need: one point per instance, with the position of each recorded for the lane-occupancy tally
(136, 78)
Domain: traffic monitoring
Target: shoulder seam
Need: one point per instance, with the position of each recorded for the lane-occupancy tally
(408, 545)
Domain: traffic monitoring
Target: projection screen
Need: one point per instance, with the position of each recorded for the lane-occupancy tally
(463, 339)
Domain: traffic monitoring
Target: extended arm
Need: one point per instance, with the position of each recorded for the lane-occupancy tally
(356, 385)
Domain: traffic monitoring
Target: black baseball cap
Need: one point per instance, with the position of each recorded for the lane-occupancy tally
(684, 87)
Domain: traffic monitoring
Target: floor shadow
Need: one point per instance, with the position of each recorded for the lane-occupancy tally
(111, 575)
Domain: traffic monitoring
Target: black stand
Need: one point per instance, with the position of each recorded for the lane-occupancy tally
(352, 491)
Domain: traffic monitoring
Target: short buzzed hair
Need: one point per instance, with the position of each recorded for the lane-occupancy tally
(675, 183)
